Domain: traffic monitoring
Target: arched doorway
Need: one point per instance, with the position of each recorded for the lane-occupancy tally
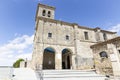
(49, 58)
(66, 59)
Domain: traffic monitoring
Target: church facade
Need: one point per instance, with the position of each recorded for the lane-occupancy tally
(63, 45)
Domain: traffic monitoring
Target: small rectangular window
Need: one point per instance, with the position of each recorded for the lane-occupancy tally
(104, 36)
(25, 64)
(67, 37)
(86, 35)
(50, 35)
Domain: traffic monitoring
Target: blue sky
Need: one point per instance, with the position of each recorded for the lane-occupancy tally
(17, 21)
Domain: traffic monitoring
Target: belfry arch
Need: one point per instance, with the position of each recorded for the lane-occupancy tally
(49, 58)
(66, 58)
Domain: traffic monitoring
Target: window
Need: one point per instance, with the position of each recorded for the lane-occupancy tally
(49, 13)
(86, 35)
(104, 36)
(25, 64)
(103, 55)
(67, 37)
(44, 13)
(119, 51)
(97, 36)
(50, 35)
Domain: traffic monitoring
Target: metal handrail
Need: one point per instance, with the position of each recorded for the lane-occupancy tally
(41, 74)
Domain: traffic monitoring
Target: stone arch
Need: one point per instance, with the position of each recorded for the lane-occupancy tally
(103, 54)
(66, 58)
(49, 13)
(49, 58)
(44, 13)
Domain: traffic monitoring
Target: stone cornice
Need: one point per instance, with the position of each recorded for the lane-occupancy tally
(71, 24)
(108, 31)
(98, 28)
(106, 42)
(83, 27)
(46, 6)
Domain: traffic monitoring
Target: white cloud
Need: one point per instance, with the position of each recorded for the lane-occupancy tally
(24, 56)
(115, 28)
(20, 47)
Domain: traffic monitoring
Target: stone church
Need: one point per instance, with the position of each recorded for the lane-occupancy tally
(62, 45)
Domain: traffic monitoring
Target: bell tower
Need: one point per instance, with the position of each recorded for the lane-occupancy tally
(45, 11)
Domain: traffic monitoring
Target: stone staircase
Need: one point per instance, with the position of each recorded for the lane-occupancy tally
(69, 75)
(6, 73)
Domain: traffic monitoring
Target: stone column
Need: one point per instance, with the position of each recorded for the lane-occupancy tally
(58, 61)
(114, 59)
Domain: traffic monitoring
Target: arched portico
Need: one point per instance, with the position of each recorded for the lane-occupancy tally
(49, 58)
(66, 58)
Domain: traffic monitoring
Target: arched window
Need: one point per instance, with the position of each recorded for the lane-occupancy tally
(103, 54)
(44, 13)
(49, 14)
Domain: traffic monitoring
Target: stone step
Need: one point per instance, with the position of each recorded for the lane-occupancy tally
(68, 71)
(70, 75)
(74, 78)
(62, 76)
